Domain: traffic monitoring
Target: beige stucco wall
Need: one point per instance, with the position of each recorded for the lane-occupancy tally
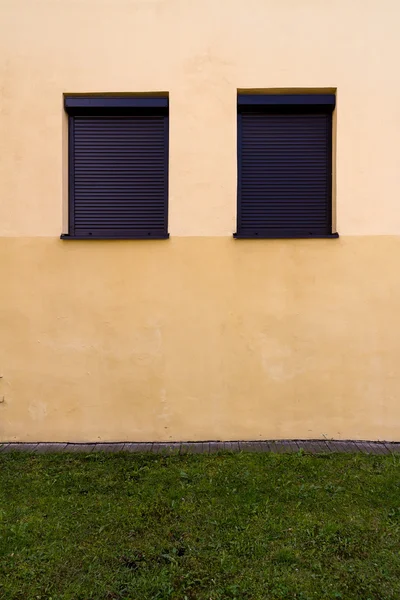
(200, 336)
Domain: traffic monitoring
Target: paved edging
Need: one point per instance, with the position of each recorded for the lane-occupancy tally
(277, 446)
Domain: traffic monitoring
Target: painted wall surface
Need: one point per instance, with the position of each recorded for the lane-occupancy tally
(200, 336)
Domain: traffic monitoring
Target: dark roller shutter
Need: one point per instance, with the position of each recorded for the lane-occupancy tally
(118, 173)
(285, 171)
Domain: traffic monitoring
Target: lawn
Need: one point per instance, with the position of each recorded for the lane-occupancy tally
(244, 526)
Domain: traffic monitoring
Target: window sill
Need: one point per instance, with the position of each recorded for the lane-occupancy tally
(262, 236)
(65, 236)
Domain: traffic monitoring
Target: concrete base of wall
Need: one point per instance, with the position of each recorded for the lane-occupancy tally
(278, 447)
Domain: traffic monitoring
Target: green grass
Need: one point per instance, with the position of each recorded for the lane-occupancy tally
(244, 526)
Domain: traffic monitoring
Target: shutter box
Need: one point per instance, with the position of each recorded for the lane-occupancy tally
(118, 167)
(285, 166)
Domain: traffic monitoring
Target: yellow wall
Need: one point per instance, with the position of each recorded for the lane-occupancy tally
(200, 336)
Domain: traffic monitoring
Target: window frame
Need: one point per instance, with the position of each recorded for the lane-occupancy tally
(98, 106)
(270, 103)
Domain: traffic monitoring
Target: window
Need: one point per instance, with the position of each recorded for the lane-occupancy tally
(118, 167)
(285, 166)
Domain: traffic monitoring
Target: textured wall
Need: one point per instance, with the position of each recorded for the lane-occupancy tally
(200, 336)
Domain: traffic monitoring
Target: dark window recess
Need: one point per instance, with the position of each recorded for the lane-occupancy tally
(285, 166)
(118, 167)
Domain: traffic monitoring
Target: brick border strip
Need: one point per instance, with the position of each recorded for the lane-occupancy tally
(275, 446)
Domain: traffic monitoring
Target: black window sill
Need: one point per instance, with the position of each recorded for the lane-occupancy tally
(263, 236)
(65, 236)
